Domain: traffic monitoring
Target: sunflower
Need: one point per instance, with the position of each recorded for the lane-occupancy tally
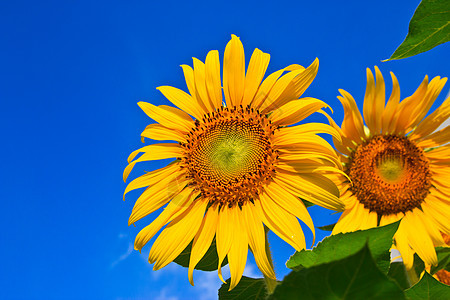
(398, 165)
(238, 166)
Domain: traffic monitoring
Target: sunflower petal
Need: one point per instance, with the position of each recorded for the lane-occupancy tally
(281, 222)
(157, 195)
(168, 116)
(418, 236)
(203, 239)
(296, 110)
(234, 72)
(237, 256)
(179, 98)
(255, 72)
(177, 235)
(152, 152)
(198, 108)
(291, 204)
(175, 207)
(200, 84)
(213, 82)
(256, 237)
(161, 133)
(224, 236)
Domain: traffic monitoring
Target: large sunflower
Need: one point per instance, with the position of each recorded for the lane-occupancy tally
(238, 166)
(398, 166)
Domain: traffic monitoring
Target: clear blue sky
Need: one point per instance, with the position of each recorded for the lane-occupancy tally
(71, 73)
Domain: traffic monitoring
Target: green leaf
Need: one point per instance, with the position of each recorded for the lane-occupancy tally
(429, 27)
(209, 262)
(397, 272)
(342, 245)
(353, 277)
(248, 289)
(327, 227)
(443, 255)
(428, 288)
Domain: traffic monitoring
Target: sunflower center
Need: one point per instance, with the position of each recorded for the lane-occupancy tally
(389, 174)
(229, 154)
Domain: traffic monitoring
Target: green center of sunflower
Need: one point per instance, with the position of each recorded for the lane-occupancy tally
(229, 154)
(389, 174)
(391, 169)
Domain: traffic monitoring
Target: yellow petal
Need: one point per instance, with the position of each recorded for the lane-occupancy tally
(277, 95)
(265, 88)
(436, 139)
(168, 116)
(369, 102)
(418, 236)
(295, 88)
(281, 222)
(157, 195)
(237, 256)
(312, 187)
(308, 128)
(352, 125)
(152, 177)
(224, 237)
(197, 105)
(434, 88)
(200, 84)
(350, 219)
(439, 212)
(389, 219)
(296, 110)
(161, 133)
(179, 98)
(203, 239)
(175, 207)
(391, 106)
(234, 72)
(402, 244)
(255, 72)
(379, 101)
(256, 238)
(177, 235)
(291, 204)
(213, 82)
(152, 152)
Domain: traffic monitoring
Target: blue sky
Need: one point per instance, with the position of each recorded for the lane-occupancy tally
(71, 73)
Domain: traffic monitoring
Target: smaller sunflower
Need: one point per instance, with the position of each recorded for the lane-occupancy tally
(398, 165)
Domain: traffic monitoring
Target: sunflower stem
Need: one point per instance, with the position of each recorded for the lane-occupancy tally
(270, 282)
(412, 276)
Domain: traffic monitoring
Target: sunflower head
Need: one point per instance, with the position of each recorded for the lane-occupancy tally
(396, 162)
(239, 164)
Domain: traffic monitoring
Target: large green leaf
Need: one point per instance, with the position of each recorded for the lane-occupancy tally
(247, 288)
(342, 245)
(428, 288)
(443, 255)
(429, 27)
(209, 262)
(353, 277)
(397, 272)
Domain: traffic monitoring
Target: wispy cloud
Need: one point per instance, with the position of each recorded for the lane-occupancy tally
(164, 295)
(124, 255)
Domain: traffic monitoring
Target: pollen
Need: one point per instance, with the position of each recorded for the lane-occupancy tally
(389, 174)
(229, 154)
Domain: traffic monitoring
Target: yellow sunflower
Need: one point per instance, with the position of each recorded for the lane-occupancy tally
(238, 165)
(398, 166)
